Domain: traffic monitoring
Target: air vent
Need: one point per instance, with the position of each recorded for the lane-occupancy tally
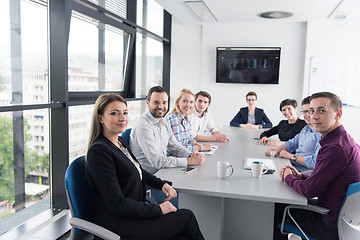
(275, 14)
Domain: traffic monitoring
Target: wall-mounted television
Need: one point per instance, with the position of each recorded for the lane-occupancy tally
(252, 65)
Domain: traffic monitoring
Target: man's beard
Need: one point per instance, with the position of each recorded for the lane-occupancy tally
(155, 115)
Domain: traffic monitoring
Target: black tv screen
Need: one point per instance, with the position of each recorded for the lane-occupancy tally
(247, 65)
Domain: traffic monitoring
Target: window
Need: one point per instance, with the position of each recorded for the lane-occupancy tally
(24, 148)
(45, 111)
(79, 128)
(96, 55)
(24, 171)
(24, 81)
(149, 64)
(150, 16)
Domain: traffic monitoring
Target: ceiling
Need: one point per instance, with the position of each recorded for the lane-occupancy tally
(238, 11)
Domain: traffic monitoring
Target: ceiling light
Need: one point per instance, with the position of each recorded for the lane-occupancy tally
(275, 14)
(346, 9)
(201, 10)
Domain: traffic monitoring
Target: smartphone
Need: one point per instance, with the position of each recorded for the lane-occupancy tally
(270, 171)
(187, 169)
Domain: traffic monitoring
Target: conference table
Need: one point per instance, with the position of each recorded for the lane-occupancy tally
(238, 207)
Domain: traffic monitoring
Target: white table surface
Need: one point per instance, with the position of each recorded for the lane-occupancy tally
(204, 181)
(238, 195)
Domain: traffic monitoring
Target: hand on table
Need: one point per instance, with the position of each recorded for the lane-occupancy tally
(273, 143)
(249, 125)
(196, 159)
(287, 170)
(267, 153)
(264, 140)
(221, 137)
(205, 147)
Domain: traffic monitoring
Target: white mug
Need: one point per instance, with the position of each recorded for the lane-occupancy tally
(224, 169)
(257, 169)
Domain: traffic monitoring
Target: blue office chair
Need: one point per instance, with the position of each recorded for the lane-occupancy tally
(348, 220)
(81, 200)
(126, 135)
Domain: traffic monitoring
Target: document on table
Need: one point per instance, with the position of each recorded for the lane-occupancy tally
(211, 152)
(269, 163)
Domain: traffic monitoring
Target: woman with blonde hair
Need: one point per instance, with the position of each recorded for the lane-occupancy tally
(119, 182)
(179, 119)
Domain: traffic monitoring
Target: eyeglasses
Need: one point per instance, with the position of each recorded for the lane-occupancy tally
(305, 112)
(250, 100)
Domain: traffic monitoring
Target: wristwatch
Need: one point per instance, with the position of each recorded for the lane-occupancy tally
(294, 157)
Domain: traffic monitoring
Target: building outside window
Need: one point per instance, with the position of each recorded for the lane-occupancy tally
(98, 60)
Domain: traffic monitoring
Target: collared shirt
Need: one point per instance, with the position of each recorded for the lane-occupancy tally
(181, 127)
(337, 166)
(201, 124)
(306, 144)
(150, 140)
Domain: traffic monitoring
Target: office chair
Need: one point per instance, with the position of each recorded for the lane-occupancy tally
(81, 200)
(349, 216)
(348, 220)
(126, 135)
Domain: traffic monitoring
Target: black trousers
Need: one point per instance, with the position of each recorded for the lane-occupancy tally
(179, 225)
(313, 224)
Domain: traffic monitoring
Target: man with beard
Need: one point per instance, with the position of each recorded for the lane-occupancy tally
(152, 137)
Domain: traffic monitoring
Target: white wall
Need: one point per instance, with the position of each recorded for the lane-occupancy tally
(194, 59)
(334, 38)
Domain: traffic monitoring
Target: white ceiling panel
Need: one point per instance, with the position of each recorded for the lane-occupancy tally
(237, 11)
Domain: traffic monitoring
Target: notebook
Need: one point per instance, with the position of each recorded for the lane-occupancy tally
(269, 163)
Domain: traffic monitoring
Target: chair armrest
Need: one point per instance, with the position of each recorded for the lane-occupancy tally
(93, 228)
(313, 208)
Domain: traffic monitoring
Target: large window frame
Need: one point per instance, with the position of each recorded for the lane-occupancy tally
(60, 99)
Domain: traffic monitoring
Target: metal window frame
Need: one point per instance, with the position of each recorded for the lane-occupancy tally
(60, 99)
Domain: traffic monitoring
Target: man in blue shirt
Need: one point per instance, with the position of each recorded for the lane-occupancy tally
(305, 144)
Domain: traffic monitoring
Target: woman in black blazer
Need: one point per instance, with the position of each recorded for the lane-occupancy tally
(257, 119)
(119, 182)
